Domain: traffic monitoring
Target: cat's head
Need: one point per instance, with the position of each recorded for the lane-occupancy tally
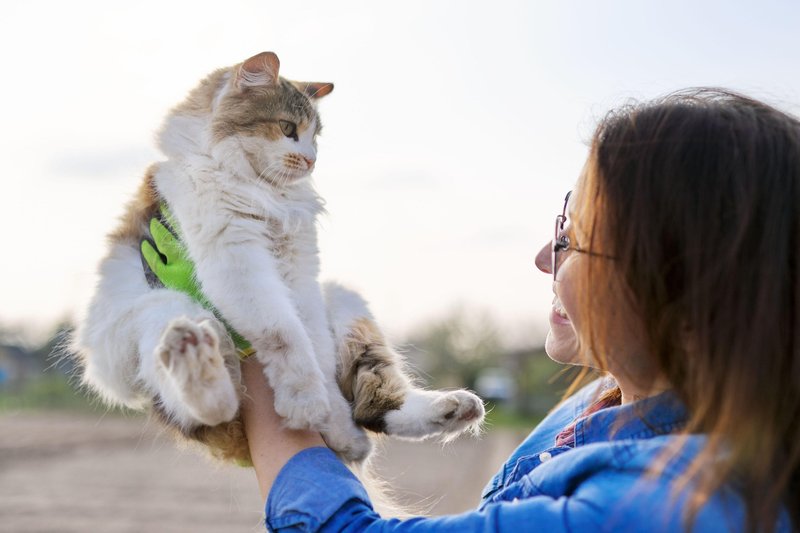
(250, 116)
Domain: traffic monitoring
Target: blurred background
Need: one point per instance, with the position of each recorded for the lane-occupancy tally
(454, 131)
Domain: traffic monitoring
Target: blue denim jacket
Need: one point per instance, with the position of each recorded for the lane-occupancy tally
(596, 486)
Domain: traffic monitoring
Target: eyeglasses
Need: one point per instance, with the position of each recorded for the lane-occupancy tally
(561, 242)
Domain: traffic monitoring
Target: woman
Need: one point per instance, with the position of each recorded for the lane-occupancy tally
(676, 270)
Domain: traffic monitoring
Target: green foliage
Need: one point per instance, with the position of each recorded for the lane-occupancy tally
(41, 374)
(44, 392)
(541, 382)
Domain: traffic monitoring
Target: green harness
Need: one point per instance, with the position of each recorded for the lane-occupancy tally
(166, 264)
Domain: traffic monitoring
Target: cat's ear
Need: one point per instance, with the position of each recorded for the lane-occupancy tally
(261, 70)
(314, 89)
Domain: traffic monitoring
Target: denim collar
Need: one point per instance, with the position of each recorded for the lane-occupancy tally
(649, 417)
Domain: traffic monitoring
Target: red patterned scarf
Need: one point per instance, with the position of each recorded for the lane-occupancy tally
(610, 398)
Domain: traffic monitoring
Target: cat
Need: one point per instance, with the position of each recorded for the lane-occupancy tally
(239, 153)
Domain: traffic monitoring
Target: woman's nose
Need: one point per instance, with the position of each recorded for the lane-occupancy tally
(544, 257)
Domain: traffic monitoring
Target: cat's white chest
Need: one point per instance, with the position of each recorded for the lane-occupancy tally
(281, 236)
(291, 242)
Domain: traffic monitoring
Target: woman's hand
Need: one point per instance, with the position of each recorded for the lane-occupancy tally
(271, 444)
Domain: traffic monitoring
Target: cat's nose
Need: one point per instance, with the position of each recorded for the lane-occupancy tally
(309, 161)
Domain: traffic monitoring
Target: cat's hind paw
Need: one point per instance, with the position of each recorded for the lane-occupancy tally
(189, 355)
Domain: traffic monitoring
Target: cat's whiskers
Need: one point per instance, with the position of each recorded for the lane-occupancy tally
(269, 169)
(278, 174)
(284, 176)
(266, 169)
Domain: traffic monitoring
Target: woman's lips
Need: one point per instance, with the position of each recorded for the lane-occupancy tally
(558, 315)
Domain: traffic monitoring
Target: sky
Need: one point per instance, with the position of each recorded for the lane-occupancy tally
(453, 133)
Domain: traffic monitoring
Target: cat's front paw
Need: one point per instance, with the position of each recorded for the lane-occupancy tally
(351, 444)
(302, 403)
(189, 355)
(426, 414)
(342, 435)
(456, 411)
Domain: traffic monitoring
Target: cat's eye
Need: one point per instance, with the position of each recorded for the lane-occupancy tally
(288, 128)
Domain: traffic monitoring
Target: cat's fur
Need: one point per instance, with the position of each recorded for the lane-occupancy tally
(238, 185)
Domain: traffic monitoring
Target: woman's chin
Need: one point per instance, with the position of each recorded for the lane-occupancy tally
(561, 345)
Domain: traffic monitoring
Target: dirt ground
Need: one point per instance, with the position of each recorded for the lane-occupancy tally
(94, 473)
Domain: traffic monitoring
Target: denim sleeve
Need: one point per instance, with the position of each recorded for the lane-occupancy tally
(316, 492)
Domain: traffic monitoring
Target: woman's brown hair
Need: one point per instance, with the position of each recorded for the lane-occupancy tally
(697, 198)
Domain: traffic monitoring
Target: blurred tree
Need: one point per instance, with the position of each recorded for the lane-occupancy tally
(38, 375)
(453, 351)
(541, 382)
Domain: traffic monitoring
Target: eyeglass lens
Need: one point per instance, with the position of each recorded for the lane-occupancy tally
(556, 256)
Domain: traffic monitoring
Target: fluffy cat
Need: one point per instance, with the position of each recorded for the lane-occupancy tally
(240, 150)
